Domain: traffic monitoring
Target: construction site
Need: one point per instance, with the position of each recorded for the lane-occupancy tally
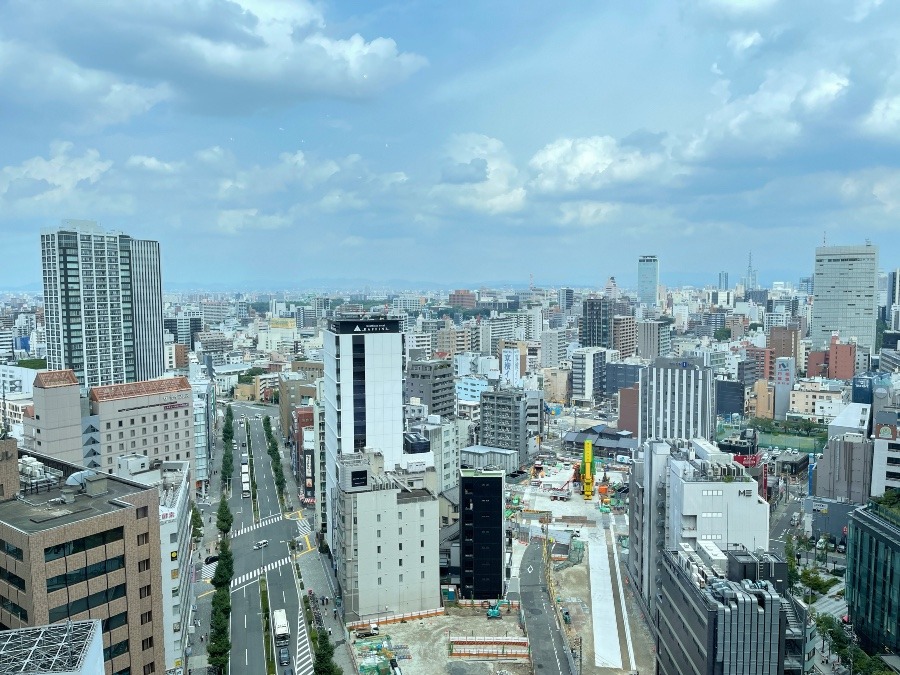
(575, 512)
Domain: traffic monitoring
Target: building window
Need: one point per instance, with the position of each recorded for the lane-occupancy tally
(145, 591)
(144, 565)
(422, 559)
(401, 546)
(379, 581)
(143, 539)
(146, 617)
(379, 550)
(400, 563)
(150, 667)
(401, 578)
(142, 512)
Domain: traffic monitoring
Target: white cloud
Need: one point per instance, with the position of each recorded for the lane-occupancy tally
(232, 221)
(500, 193)
(32, 77)
(587, 213)
(884, 117)
(54, 179)
(824, 88)
(740, 7)
(740, 41)
(152, 164)
(574, 164)
(218, 55)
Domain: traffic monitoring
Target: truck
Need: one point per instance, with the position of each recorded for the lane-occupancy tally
(281, 630)
(245, 487)
(371, 631)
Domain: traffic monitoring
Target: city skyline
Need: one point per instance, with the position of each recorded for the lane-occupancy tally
(360, 138)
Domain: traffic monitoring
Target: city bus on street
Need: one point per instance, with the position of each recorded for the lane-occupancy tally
(280, 628)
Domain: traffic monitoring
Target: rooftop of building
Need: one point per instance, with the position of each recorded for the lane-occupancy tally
(485, 449)
(471, 473)
(115, 392)
(50, 379)
(55, 648)
(55, 494)
(414, 495)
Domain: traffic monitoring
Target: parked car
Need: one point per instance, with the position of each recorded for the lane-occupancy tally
(842, 548)
(820, 545)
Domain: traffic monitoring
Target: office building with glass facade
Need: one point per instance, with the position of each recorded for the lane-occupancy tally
(873, 575)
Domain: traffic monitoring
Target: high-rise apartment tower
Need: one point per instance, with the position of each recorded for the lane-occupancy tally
(103, 304)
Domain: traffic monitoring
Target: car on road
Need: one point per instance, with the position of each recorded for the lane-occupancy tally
(842, 548)
(821, 544)
(262, 543)
(210, 559)
(284, 656)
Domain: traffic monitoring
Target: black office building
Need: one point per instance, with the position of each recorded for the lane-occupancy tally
(482, 537)
(729, 397)
(597, 322)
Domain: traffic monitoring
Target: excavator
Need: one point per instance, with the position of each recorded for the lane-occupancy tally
(493, 611)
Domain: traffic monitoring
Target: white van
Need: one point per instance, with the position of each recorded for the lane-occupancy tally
(795, 519)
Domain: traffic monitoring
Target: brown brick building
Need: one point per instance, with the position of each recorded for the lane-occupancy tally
(81, 545)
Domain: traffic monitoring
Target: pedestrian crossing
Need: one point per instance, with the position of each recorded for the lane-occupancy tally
(268, 520)
(250, 576)
(304, 659)
(208, 571)
(303, 527)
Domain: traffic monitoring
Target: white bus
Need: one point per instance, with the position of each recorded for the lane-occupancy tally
(245, 487)
(280, 628)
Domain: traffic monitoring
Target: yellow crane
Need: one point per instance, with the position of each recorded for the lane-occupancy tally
(587, 471)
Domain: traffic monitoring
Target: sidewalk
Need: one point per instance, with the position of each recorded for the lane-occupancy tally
(203, 592)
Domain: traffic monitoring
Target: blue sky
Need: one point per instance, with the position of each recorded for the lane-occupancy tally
(269, 142)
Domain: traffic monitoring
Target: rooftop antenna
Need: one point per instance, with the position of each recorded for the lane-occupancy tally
(825, 238)
(4, 420)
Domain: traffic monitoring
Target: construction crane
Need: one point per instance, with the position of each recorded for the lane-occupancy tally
(587, 471)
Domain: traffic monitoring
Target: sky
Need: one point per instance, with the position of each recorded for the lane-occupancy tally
(285, 143)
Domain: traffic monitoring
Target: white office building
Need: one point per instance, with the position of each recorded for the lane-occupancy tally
(363, 394)
(102, 304)
(173, 479)
(845, 295)
(554, 344)
(677, 400)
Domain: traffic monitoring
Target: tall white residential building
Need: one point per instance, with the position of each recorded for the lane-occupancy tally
(102, 304)
(677, 400)
(554, 344)
(589, 373)
(845, 295)
(648, 280)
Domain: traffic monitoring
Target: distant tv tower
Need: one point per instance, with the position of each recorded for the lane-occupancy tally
(752, 284)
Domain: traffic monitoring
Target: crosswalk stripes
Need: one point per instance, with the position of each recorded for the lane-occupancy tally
(304, 659)
(250, 576)
(208, 571)
(268, 520)
(303, 527)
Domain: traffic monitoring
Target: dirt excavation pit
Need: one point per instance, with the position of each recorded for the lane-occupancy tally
(424, 644)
